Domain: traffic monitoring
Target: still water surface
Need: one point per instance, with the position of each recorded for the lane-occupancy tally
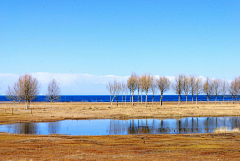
(124, 127)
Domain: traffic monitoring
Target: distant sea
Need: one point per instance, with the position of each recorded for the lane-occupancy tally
(106, 98)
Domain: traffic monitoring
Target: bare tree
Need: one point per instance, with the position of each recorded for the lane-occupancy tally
(208, 88)
(186, 86)
(178, 86)
(198, 87)
(138, 85)
(132, 84)
(235, 88)
(53, 93)
(125, 89)
(12, 94)
(163, 85)
(29, 88)
(141, 83)
(122, 90)
(111, 91)
(117, 86)
(232, 89)
(224, 89)
(153, 87)
(216, 84)
(110, 87)
(192, 86)
(147, 82)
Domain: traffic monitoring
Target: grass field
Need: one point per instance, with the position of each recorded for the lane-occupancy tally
(39, 112)
(214, 146)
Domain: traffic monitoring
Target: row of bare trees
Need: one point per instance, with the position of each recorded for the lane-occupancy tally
(144, 83)
(27, 89)
(183, 85)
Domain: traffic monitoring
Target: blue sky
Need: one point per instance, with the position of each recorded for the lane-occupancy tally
(101, 38)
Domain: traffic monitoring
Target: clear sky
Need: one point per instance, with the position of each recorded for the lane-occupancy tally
(76, 38)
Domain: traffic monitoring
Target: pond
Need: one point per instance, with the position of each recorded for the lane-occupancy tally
(124, 127)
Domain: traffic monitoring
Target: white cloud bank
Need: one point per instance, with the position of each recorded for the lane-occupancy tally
(72, 84)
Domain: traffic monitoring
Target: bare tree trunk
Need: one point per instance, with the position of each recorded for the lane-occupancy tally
(192, 99)
(122, 99)
(27, 105)
(146, 101)
(111, 100)
(178, 100)
(207, 99)
(215, 100)
(196, 99)
(161, 100)
(186, 99)
(117, 101)
(132, 99)
(125, 100)
(138, 96)
(152, 100)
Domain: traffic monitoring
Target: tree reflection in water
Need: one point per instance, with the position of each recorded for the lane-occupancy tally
(125, 127)
(53, 127)
(174, 126)
(25, 128)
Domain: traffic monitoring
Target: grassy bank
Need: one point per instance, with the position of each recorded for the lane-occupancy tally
(42, 111)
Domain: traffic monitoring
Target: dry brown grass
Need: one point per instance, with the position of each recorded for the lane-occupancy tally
(120, 147)
(117, 147)
(226, 130)
(82, 110)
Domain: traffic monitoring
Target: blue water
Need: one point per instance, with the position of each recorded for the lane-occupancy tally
(106, 98)
(124, 127)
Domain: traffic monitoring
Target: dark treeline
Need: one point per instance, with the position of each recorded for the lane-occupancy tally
(183, 85)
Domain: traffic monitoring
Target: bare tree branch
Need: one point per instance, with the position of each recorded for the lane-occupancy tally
(53, 91)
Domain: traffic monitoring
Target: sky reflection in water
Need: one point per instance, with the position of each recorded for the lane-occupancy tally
(124, 127)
